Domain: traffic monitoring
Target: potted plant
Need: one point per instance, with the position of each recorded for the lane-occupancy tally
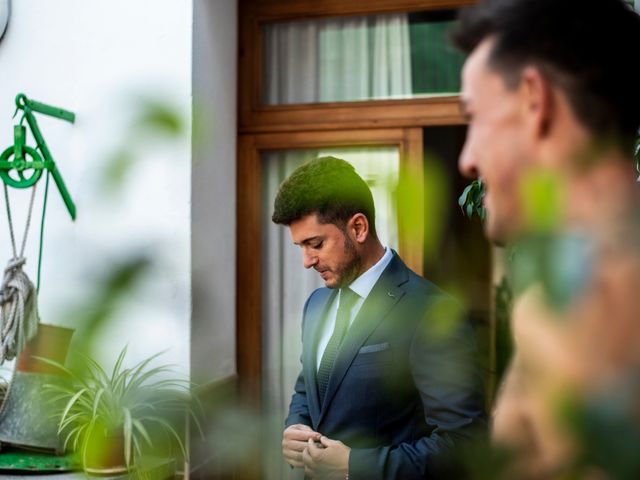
(115, 421)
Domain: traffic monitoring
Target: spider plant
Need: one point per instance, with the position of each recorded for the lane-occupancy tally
(128, 410)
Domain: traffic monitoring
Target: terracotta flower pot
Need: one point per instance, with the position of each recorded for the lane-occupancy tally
(50, 342)
(104, 454)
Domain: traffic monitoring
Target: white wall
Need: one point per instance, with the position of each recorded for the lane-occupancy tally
(214, 189)
(97, 58)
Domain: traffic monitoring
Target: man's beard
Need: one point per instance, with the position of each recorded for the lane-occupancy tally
(350, 269)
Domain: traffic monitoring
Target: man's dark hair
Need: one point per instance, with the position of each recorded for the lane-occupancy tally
(328, 187)
(578, 46)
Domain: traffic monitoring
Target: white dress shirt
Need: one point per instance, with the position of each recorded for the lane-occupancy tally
(362, 286)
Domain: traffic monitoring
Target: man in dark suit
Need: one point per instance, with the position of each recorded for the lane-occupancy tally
(388, 385)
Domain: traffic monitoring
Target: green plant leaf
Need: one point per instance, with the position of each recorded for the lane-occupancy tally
(462, 199)
(59, 366)
(118, 384)
(138, 378)
(75, 434)
(71, 403)
(136, 447)
(68, 421)
(57, 398)
(137, 370)
(169, 429)
(116, 367)
(143, 431)
(182, 385)
(128, 432)
(96, 401)
(470, 210)
(85, 440)
(195, 419)
(98, 373)
(470, 201)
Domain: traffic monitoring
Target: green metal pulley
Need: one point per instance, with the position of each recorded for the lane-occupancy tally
(20, 161)
(21, 166)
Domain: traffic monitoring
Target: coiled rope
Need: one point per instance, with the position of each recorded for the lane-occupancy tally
(19, 316)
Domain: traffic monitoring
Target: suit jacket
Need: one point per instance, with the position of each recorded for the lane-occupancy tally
(405, 387)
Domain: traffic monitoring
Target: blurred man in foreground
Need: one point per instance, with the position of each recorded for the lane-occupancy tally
(553, 108)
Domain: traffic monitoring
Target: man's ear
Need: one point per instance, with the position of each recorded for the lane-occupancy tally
(358, 226)
(537, 101)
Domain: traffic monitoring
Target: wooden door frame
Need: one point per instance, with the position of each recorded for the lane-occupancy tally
(249, 231)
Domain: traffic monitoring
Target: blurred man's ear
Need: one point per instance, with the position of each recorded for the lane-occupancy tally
(358, 225)
(537, 101)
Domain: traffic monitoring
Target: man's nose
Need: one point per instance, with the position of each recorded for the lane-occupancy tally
(309, 259)
(467, 162)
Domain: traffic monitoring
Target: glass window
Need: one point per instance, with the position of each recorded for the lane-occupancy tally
(395, 56)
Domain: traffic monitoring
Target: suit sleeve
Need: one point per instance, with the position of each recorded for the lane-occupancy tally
(444, 368)
(299, 407)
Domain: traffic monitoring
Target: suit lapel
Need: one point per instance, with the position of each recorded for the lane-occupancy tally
(316, 315)
(383, 297)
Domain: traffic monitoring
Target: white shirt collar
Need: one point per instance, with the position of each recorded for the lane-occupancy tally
(365, 282)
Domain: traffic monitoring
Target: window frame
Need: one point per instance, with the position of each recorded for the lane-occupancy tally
(255, 117)
(249, 230)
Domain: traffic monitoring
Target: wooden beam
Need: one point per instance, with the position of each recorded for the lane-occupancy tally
(274, 10)
(352, 115)
(249, 285)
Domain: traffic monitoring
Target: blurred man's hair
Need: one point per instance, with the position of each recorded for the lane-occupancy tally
(585, 48)
(328, 187)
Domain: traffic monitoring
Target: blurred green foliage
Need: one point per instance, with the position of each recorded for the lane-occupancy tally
(542, 201)
(561, 263)
(445, 319)
(482, 460)
(154, 121)
(111, 290)
(436, 191)
(157, 117)
(605, 426)
(503, 302)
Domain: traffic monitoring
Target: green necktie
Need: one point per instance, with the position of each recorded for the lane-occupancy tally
(347, 300)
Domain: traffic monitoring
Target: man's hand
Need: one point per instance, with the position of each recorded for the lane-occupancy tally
(294, 441)
(328, 461)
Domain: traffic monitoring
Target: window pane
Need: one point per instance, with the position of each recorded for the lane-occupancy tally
(435, 63)
(379, 57)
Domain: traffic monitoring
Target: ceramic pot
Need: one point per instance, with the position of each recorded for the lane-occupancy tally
(50, 342)
(105, 453)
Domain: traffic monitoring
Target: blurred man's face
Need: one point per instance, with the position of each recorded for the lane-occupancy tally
(327, 249)
(496, 147)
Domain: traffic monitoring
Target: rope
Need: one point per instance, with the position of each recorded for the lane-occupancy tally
(26, 228)
(19, 315)
(18, 298)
